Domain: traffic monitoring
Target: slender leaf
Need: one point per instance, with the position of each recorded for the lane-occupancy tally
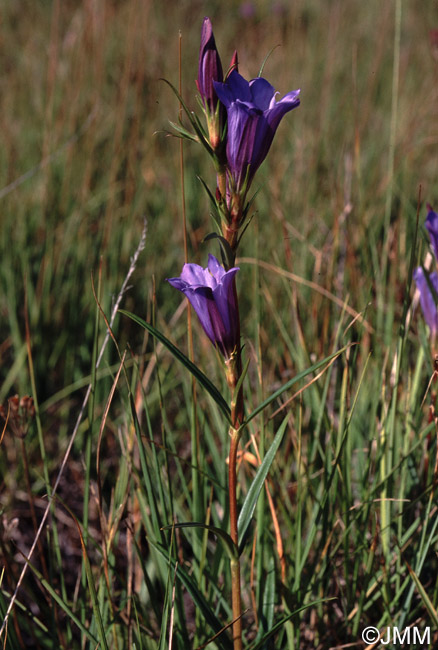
(265, 59)
(90, 580)
(62, 604)
(199, 600)
(258, 645)
(290, 383)
(250, 502)
(220, 534)
(227, 253)
(424, 597)
(181, 357)
(209, 194)
(194, 121)
(183, 133)
(268, 605)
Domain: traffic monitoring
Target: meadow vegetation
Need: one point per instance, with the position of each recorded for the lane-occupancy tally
(344, 534)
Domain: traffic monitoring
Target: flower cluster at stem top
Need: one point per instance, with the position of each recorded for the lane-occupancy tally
(241, 118)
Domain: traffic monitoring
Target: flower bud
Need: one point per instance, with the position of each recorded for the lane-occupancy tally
(210, 67)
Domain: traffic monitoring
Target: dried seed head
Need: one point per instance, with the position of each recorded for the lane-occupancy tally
(18, 414)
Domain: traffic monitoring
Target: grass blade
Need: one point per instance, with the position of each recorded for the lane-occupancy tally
(424, 597)
(62, 604)
(220, 534)
(199, 599)
(259, 645)
(290, 383)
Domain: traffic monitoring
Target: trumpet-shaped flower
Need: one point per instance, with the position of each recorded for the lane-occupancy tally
(432, 227)
(212, 295)
(253, 118)
(427, 299)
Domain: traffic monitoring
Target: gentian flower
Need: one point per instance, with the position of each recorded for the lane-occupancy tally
(253, 118)
(210, 67)
(427, 299)
(432, 226)
(212, 295)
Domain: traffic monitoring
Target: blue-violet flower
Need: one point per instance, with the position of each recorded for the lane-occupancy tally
(432, 226)
(210, 67)
(253, 118)
(211, 293)
(427, 300)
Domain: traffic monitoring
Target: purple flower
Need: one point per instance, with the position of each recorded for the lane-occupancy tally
(253, 118)
(432, 226)
(210, 67)
(427, 299)
(212, 295)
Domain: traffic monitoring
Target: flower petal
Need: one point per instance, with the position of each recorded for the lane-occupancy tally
(432, 227)
(262, 93)
(202, 302)
(275, 114)
(225, 300)
(239, 87)
(195, 276)
(216, 269)
(253, 117)
(244, 135)
(427, 299)
(211, 293)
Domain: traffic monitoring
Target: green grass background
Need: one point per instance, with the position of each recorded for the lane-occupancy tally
(85, 156)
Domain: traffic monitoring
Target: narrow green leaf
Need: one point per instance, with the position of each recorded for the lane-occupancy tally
(268, 605)
(250, 502)
(62, 604)
(221, 534)
(242, 377)
(424, 597)
(11, 640)
(90, 579)
(183, 133)
(201, 128)
(181, 357)
(228, 257)
(247, 221)
(180, 99)
(209, 193)
(149, 479)
(167, 606)
(258, 645)
(193, 118)
(217, 214)
(198, 598)
(93, 594)
(290, 383)
(265, 59)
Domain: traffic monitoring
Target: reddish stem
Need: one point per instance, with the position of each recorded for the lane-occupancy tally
(235, 565)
